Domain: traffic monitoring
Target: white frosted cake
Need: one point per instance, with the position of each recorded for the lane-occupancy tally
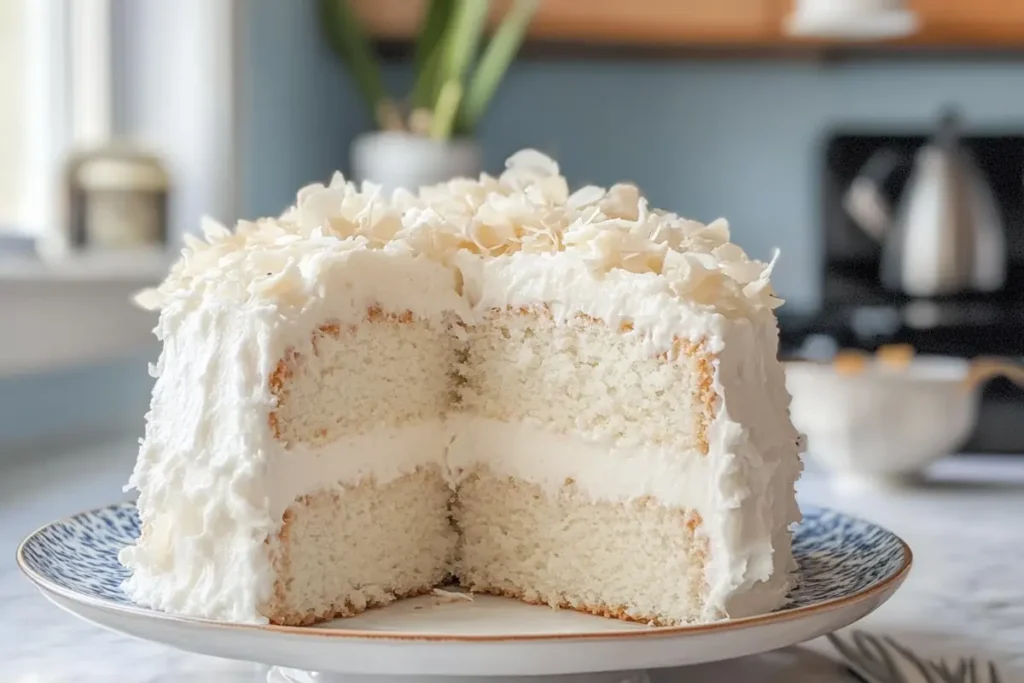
(570, 399)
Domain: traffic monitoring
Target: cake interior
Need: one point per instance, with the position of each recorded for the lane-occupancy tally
(518, 456)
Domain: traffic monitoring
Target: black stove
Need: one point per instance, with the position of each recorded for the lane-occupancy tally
(858, 313)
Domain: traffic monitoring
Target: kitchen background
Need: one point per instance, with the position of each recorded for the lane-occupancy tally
(243, 102)
(122, 122)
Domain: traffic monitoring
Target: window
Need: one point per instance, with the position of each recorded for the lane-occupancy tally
(12, 113)
(33, 115)
(160, 74)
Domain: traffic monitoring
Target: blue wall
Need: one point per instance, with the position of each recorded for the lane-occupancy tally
(738, 139)
(104, 398)
(298, 106)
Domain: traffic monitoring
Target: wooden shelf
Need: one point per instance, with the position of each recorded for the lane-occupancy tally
(724, 24)
(986, 23)
(650, 23)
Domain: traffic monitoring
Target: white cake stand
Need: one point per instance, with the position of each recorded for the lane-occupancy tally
(846, 569)
(427, 640)
(283, 675)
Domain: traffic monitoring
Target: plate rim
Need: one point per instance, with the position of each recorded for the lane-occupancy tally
(45, 585)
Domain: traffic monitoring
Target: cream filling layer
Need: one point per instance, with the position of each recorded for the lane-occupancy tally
(382, 456)
(601, 471)
(524, 451)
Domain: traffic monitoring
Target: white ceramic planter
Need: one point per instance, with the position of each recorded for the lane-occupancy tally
(403, 160)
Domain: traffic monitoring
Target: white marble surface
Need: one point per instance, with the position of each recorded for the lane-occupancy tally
(965, 594)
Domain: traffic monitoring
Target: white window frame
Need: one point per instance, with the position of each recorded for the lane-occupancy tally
(46, 98)
(65, 72)
(199, 79)
(183, 100)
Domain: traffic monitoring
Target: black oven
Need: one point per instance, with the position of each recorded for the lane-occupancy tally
(858, 312)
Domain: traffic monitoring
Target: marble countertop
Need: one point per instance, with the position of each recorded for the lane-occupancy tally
(964, 596)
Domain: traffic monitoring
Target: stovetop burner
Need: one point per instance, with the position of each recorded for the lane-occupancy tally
(946, 328)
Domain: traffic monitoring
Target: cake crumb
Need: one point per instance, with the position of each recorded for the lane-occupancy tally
(443, 596)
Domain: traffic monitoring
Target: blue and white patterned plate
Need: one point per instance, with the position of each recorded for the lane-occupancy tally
(847, 567)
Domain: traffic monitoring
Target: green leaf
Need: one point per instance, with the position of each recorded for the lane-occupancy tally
(462, 40)
(494, 64)
(445, 110)
(346, 36)
(430, 52)
(435, 21)
(427, 85)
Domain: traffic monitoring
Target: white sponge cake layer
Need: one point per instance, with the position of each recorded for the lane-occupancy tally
(347, 548)
(635, 559)
(578, 376)
(390, 370)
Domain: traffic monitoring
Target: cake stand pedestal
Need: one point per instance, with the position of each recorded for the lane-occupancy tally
(280, 674)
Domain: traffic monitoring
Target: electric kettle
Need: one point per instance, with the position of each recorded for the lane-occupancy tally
(945, 235)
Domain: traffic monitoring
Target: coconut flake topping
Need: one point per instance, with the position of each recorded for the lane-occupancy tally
(528, 208)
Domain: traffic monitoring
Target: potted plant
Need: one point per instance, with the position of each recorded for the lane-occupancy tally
(427, 137)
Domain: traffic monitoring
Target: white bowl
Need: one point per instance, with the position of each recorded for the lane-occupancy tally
(883, 424)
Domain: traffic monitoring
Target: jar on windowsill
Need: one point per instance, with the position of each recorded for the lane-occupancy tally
(116, 199)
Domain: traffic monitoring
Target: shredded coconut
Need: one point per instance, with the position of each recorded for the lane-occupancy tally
(528, 208)
(442, 596)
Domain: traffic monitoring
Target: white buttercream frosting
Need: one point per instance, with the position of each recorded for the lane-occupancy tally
(213, 481)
